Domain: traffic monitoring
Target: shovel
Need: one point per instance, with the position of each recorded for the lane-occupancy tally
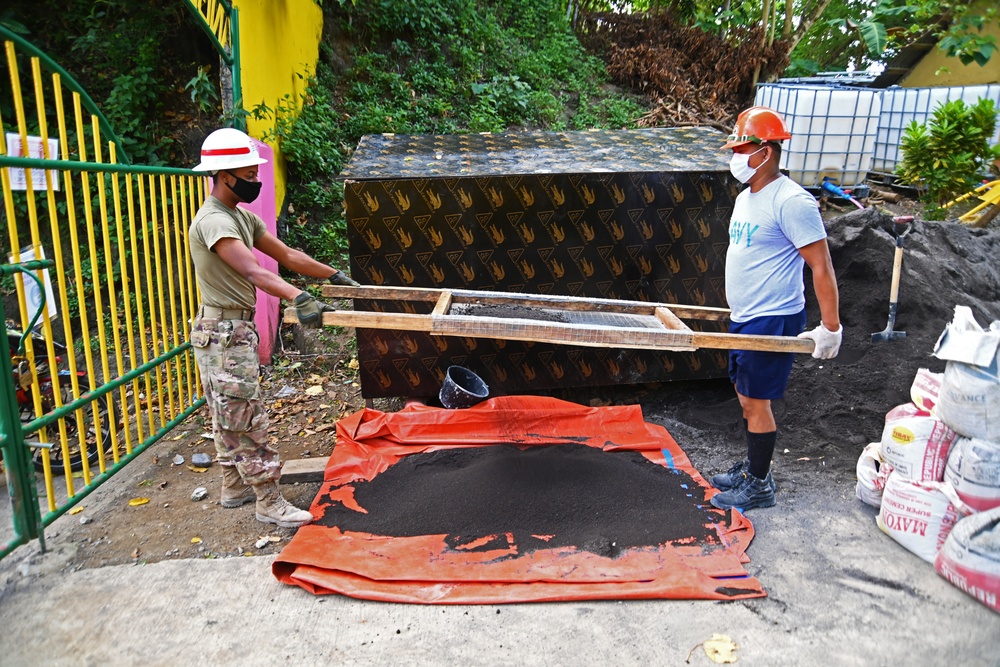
(897, 264)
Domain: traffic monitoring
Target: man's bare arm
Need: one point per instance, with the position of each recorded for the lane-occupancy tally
(817, 256)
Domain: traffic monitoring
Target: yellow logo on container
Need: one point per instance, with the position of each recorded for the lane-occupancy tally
(903, 435)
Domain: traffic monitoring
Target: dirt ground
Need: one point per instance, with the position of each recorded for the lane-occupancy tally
(832, 408)
(305, 394)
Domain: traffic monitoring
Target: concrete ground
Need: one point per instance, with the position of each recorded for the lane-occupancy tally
(840, 593)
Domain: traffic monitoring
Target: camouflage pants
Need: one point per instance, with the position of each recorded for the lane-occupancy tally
(226, 352)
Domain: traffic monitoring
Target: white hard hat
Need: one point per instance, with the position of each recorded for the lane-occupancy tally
(228, 148)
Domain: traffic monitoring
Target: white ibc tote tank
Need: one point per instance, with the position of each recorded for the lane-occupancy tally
(833, 131)
(901, 106)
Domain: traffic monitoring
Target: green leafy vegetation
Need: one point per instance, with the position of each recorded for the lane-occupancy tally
(203, 92)
(950, 154)
(860, 33)
(436, 67)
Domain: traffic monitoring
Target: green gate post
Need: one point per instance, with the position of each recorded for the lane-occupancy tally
(20, 472)
(240, 122)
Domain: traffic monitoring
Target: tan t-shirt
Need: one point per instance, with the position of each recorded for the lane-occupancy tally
(221, 286)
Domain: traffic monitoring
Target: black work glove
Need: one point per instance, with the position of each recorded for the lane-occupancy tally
(341, 278)
(310, 310)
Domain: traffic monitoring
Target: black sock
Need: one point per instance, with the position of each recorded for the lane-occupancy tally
(746, 432)
(760, 451)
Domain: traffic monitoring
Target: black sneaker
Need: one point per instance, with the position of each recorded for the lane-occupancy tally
(727, 480)
(748, 493)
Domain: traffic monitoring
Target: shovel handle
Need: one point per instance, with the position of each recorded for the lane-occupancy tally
(897, 265)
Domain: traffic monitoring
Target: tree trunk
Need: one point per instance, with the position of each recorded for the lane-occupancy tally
(774, 22)
(226, 86)
(807, 20)
(786, 30)
(765, 14)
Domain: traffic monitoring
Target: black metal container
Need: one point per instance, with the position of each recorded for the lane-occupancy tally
(632, 214)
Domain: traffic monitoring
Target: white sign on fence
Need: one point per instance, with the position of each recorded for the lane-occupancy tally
(32, 296)
(18, 178)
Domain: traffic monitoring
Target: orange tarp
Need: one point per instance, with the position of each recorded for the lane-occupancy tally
(425, 569)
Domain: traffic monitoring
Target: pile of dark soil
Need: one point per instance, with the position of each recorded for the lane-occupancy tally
(540, 497)
(944, 265)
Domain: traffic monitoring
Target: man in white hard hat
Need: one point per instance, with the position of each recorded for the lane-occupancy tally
(223, 334)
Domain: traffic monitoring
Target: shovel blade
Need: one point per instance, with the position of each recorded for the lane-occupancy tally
(887, 335)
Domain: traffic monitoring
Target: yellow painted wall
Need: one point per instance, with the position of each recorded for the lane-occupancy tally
(925, 73)
(279, 41)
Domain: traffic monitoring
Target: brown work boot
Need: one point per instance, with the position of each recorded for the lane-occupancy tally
(235, 492)
(273, 508)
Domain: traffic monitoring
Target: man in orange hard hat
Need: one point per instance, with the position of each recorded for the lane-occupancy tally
(775, 229)
(223, 333)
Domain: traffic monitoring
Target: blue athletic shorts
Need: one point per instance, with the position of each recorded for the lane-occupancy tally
(764, 375)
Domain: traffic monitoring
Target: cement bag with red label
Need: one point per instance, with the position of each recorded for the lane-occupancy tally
(974, 471)
(970, 557)
(969, 402)
(919, 515)
(872, 473)
(925, 389)
(916, 443)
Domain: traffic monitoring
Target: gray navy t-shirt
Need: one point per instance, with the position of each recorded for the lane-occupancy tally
(763, 264)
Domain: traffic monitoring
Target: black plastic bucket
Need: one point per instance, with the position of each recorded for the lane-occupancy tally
(462, 388)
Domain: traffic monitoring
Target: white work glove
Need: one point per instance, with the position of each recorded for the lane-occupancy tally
(827, 342)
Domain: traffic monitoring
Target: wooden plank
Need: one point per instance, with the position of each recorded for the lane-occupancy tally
(699, 313)
(728, 341)
(562, 333)
(670, 320)
(430, 294)
(303, 470)
(363, 319)
(443, 304)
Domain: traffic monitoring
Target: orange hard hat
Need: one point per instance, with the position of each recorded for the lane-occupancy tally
(757, 125)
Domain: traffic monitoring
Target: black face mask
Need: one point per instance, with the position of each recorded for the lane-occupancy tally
(246, 190)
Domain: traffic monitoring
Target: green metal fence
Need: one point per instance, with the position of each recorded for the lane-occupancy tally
(104, 370)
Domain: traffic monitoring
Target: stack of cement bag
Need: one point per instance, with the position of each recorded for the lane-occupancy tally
(935, 474)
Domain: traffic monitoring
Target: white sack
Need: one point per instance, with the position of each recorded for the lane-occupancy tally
(970, 557)
(872, 473)
(918, 515)
(925, 389)
(969, 401)
(974, 471)
(916, 443)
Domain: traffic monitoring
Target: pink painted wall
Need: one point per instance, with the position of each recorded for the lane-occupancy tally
(268, 307)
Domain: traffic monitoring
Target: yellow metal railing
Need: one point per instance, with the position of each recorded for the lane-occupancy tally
(215, 14)
(219, 19)
(121, 281)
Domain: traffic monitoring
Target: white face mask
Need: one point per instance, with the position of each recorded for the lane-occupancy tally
(740, 167)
